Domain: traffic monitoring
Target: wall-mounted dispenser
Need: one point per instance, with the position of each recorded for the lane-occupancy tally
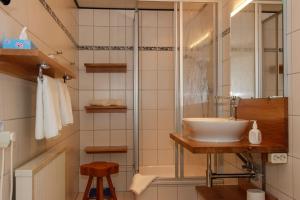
(5, 2)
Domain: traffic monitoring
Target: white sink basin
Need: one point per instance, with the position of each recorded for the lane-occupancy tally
(214, 129)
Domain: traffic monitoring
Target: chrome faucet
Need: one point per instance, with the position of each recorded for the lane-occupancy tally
(234, 102)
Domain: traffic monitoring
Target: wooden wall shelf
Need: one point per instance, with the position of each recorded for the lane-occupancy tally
(23, 63)
(225, 192)
(103, 149)
(106, 109)
(106, 67)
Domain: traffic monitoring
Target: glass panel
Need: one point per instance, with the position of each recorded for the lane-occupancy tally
(199, 72)
(242, 68)
(272, 54)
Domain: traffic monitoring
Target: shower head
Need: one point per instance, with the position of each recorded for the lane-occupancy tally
(5, 2)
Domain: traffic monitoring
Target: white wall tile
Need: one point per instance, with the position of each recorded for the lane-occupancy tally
(117, 56)
(86, 35)
(149, 99)
(101, 17)
(118, 121)
(149, 80)
(117, 81)
(149, 194)
(149, 60)
(149, 120)
(101, 56)
(149, 18)
(149, 36)
(149, 157)
(165, 120)
(118, 138)
(149, 139)
(165, 60)
(101, 81)
(296, 136)
(165, 37)
(295, 15)
(165, 157)
(86, 121)
(117, 18)
(85, 56)
(86, 17)
(101, 121)
(101, 138)
(85, 80)
(165, 19)
(186, 192)
(129, 17)
(117, 36)
(166, 79)
(86, 139)
(165, 99)
(167, 193)
(296, 178)
(295, 51)
(85, 96)
(101, 36)
(295, 94)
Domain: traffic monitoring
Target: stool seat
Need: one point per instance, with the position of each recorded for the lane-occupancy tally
(99, 170)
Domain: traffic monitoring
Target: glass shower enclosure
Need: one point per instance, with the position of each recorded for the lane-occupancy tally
(176, 61)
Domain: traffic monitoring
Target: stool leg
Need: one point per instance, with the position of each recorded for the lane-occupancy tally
(111, 188)
(87, 189)
(100, 195)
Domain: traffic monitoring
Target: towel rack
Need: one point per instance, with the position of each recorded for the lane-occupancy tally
(25, 64)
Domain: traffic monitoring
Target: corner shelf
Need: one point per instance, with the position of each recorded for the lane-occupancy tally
(23, 63)
(106, 67)
(105, 149)
(106, 109)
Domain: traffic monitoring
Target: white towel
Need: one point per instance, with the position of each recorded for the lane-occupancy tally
(52, 119)
(65, 103)
(39, 116)
(140, 183)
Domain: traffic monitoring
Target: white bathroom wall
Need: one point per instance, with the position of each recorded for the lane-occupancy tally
(106, 36)
(156, 87)
(17, 97)
(284, 180)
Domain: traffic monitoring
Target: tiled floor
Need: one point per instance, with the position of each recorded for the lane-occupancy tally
(120, 196)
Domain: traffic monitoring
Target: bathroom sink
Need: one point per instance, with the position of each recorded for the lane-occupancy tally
(214, 129)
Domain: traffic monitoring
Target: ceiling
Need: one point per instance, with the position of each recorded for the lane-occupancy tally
(124, 4)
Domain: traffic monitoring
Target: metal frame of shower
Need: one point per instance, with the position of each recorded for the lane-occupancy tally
(178, 60)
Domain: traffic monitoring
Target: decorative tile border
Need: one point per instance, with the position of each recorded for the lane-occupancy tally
(58, 21)
(124, 48)
(226, 32)
(87, 47)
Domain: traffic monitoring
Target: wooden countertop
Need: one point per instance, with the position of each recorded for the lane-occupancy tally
(267, 146)
(272, 119)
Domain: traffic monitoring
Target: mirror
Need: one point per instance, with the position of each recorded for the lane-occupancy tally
(256, 41)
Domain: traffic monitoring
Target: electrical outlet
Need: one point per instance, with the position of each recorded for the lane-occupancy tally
(1, 126)
(5, 138)
(278, 158)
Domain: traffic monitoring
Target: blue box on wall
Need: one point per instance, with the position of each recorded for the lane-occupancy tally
(16, 44)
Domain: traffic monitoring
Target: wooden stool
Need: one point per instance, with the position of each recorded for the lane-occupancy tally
(99, 170)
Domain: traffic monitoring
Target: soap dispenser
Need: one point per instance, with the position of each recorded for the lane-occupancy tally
(255, 134)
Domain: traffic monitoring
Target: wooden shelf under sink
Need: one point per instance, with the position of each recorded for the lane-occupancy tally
(106, 109)
(105, 149)
(228, 192)
(225, 192)
(106, 67)
(24, 64)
